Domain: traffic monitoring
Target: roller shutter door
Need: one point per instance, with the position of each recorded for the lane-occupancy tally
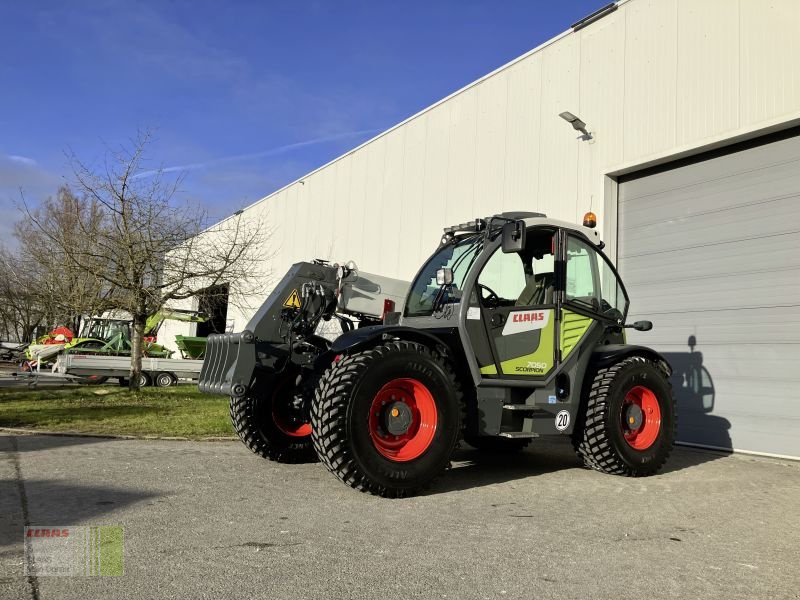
(710, 252)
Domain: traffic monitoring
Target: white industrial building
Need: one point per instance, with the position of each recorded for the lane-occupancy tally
(693, 170)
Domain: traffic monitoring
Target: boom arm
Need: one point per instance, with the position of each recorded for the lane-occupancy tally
(174, 314)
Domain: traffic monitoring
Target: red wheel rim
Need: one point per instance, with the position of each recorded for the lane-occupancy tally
(644, 435)
(409, 398)
(284, 422)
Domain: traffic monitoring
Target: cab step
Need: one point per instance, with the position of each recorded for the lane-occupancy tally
(518, 435)
(520, 407)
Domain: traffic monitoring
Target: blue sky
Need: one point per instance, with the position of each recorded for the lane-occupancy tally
(246, 95)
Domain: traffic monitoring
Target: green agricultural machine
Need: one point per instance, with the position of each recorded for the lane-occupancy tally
(110, 335)
(512, 330)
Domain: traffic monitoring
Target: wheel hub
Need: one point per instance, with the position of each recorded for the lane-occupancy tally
(402, 419)
(288, 414)
(397, 418)
(634, 417)
(641, 418)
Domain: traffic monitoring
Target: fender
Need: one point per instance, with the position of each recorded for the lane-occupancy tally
(367, 336)
(611, 353)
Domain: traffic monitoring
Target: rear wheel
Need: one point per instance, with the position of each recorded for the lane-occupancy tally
(629, 426)
(385, 420)
(270, 419)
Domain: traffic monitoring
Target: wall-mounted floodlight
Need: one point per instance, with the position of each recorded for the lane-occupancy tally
(577, 124)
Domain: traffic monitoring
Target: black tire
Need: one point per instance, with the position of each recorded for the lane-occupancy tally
(342, 411)
(254, 420)
(165, 379)
(497, 445)
(599, 437)
(144, 380)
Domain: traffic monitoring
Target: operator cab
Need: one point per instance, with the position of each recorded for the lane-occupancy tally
(524, 289)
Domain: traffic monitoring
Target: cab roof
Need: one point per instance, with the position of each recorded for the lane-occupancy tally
(531, 219)
(542, 221)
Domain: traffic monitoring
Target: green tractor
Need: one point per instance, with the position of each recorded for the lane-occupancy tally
(512, 330)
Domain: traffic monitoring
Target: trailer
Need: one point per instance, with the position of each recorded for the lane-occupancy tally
(161, 372)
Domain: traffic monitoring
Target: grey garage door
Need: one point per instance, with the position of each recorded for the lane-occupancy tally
(710, 252)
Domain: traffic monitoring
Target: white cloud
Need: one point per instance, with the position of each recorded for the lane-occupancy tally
(254, 155)
(23, 160)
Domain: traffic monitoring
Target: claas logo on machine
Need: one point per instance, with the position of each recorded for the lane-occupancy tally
(293, 301)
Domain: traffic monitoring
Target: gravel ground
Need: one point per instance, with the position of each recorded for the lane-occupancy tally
(212, 520)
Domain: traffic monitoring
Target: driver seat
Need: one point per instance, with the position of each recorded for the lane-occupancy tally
(539, 290)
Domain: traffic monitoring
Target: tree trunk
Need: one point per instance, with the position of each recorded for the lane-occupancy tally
(137, 346)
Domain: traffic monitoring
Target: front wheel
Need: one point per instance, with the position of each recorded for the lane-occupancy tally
(385, 420)
(629, 424)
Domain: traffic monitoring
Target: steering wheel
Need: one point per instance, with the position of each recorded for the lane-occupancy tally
(492, 300)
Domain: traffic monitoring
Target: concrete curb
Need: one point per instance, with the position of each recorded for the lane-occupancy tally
(109, 436)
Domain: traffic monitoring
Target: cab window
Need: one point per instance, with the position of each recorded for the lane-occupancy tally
(520, 279)
(591, 282)
(502, 279)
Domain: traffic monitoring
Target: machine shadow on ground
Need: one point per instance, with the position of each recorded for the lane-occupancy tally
(476, 468)
(51, 502)
(35, 443)
(58, 502)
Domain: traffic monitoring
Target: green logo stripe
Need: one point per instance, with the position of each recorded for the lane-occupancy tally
(489, 370)
(573, 326)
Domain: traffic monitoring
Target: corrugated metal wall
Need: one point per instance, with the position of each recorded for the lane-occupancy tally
(708, 251)
(650, 79)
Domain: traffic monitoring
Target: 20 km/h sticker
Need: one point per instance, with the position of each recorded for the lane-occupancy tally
(293, 301)
(562, 420)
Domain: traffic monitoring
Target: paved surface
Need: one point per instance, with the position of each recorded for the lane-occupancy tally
(211, 520)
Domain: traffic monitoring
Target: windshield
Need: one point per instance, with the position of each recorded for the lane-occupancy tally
(104, 329)
(459, 257)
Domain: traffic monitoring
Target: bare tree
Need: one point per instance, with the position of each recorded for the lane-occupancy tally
(20, 312)
(145, 246)
(59, 289)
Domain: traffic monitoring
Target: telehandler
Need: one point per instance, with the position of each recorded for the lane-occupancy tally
(513, 329)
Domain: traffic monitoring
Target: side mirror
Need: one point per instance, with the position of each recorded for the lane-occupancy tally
(514, 237)
(642, 325)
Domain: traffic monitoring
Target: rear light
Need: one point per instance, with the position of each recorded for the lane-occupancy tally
(388, 307)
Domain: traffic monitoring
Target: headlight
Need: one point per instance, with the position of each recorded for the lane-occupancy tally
(444, 276)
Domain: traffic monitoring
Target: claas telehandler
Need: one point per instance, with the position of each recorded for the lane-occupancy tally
(513, 329)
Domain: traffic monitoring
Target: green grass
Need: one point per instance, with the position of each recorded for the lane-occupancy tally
(181, 411)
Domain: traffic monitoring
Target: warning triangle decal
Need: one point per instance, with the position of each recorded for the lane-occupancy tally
(293, 301)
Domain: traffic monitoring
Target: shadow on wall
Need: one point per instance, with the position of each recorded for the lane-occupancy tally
(694, 392)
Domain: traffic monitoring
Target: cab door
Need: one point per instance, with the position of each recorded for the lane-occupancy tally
(511, 320)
